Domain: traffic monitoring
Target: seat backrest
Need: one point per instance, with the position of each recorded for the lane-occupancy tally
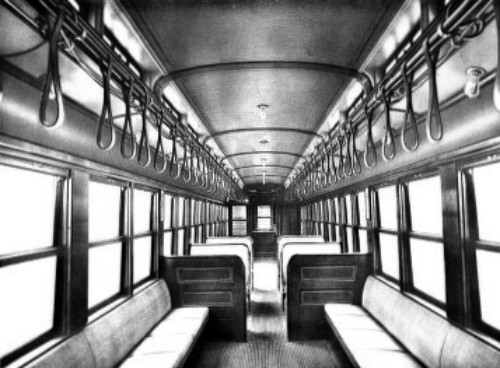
(292, 249)
(233, 240)
(238, 250)
(420, 330)
(109, 339)
(289, 239)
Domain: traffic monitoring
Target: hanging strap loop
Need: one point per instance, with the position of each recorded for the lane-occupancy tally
(409, 118)
(186, 169)
(160, 150)
(348, 171)
(340, 171)
(388, 143)
(128, 130)
(53, 78)
(370, 149)
(144, 142)
(106, 118)
(433, 123)
(356, 164)
(174, 168)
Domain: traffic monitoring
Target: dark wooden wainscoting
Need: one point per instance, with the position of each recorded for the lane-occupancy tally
(315, 280)
(265, 243)
(214, 282)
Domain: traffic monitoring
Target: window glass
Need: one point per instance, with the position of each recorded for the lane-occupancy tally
(337, 215)
(389, 255)
(180, 212)
(264, 211)
(427, 260)
(239, 212)
(239, 228)
(167, 243)
(104, 211)
(104, 272)
(264, 223)
(486, 179)
(388, 207)
(363, 241)
(180, 242)
(348, 206)
(350, 244)
(362, 208)
(142, 211)
(329, 210)
(337, 234)
(27, 305)
(27, 201)
(425, 205)
(142, 258)
(167, 221)
(488, 266)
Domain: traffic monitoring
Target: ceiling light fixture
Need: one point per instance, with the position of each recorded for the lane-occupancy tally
(262, 110)
(472, 87)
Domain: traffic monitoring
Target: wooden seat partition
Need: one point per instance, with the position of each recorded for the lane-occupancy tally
(214, 282)
(315, 280)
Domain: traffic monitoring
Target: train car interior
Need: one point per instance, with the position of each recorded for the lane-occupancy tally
(249, 183)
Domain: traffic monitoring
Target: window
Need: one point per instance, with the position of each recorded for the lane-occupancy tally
(167, 225)
(264, 218)
(143, 236)
(31, 203)
(483, 244)
(362, 228)
(105, 242)
(426, 245)
(387, 231)
(348, 228)
(239, 220)
(179, 226)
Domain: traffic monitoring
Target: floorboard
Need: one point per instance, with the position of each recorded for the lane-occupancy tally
(267, 344)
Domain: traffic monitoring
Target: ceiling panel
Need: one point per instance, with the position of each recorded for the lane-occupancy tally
(195, 32)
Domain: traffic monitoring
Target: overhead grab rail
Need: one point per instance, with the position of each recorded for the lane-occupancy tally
(461, 21)
(71, 27)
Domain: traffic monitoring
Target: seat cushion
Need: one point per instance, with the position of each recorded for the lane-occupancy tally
(163, 360)
(166, 343)
(420, 330)
(179, 326)
(462, 349)
(365, 341)
(200, 313)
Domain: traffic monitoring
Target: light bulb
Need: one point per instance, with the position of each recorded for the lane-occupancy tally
(262, 111)
(472, 87)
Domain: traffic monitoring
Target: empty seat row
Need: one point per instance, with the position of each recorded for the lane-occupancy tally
(392, 330)
(144, 331)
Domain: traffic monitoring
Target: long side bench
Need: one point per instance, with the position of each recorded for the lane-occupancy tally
(239, 250)
(292, 249)
(289, 239)
(392, 330)
(142, 332)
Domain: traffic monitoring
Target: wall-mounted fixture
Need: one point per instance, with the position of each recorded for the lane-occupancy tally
(472, 84)
(262, 110)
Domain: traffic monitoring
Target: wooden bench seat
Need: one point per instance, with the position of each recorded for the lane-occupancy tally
(142, 332)
(392, 330)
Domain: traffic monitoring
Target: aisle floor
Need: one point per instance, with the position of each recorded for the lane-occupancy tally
(267, 344)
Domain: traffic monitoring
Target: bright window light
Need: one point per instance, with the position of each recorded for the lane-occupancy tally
(104, 211)
(427, 259)
(142, 258)
(142, 211)
(167, 243)
(180, 242)
(488, 265)
(27, 306)
(104, 272)
(389, 254)
(348, 205)
(486, 180)
(388, 207)
(167, 221)
(363, 241)
(362, 208)
(425, 205)
(27, 207)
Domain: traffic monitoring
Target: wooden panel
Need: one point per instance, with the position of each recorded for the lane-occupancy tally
(215, 282)
(322, 297)
(213, 298)
(204, 274)
(338, 273)
(265, 243)
(313, 281)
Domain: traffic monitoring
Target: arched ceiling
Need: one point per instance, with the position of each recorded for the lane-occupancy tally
(229, 57)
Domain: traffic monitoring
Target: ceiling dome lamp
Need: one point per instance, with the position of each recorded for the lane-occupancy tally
(262, 110)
